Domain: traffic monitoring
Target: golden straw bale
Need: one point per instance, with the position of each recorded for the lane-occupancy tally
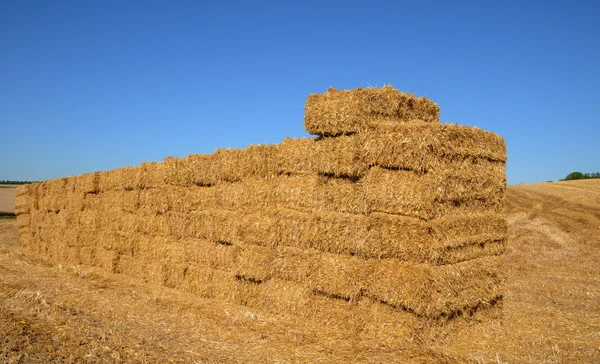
(437, 291)
(106, 260)
(150, 175)
(23, 221)
(429, 147)
(88, 183)
(151, 224)
(341, 156)
(127, 178)
(250, 193)
(362, 317)
(451, 239)
(156, 200)
(177, 171)
(426, 290)
(209, 283)
(323, 231)
(442, 241)
(89, 219)
(337, 112)
(87, 256)
(429, 196)
(204, 253)
(23, 199)
(319, 193)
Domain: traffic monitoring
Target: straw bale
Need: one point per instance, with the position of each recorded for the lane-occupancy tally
(120, 241)
(426, 290)
(23, 220)
(363, 316)
(23, 199)
(319, 193)
(88, 237)
(442, 241)
(70, 236)
(157, 201)
(65, 219)
(214, 225)
(413, 146)
(107, 260)
(89, 219)
(151, 224)
(232, 165)
(123, 200)
(261, 227)
(52, 195)
(429, 196)
(110, 180)
(451, 239)
(88, 183)
(71, 255)
(147, 175)
(204, 253)
(337, 112)
(150, 175)
(340, 156)
(177, 171)
(338, 275)
(208, 282)
(87, 256)
(429, 146)
(251, 193)
(225, 165)
(117, 220)
(437, 291)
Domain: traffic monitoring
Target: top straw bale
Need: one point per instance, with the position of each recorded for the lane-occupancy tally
(338, 112)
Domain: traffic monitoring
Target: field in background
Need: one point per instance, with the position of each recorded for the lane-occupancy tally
(551, 305)
(7, 198)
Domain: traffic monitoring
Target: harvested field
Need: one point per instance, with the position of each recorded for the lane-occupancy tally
(7, 198)
(57, 312)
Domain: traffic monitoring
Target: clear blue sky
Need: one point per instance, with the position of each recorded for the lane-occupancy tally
(96, 85)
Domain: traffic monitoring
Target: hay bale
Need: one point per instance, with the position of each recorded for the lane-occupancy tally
(428, 196)
(225, 165)
(23, 199)
(338, 112)
(426, 290)
(431, 147)
(438, 291)
(419, 147)
(448, 240)
(150, 175)
(319, 193)
(362, 317)
(251, 193)
(88, 183)
(339, 156)
(451, 239)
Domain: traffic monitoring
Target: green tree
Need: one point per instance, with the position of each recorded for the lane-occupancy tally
(574, 175)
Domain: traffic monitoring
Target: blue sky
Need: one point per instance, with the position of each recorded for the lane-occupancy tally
(96, 85)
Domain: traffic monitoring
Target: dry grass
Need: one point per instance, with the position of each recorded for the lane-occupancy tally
(551, 309)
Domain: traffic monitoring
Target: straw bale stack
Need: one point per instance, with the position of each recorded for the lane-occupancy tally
(386, 221)
(338, 112)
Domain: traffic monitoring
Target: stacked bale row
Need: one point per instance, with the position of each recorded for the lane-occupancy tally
(387, 217)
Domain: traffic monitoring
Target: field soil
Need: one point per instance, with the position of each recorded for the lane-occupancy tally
(7, 198)
(551, 309)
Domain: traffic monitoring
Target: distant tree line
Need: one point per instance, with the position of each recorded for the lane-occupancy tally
(7, 182)
(579, 175)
